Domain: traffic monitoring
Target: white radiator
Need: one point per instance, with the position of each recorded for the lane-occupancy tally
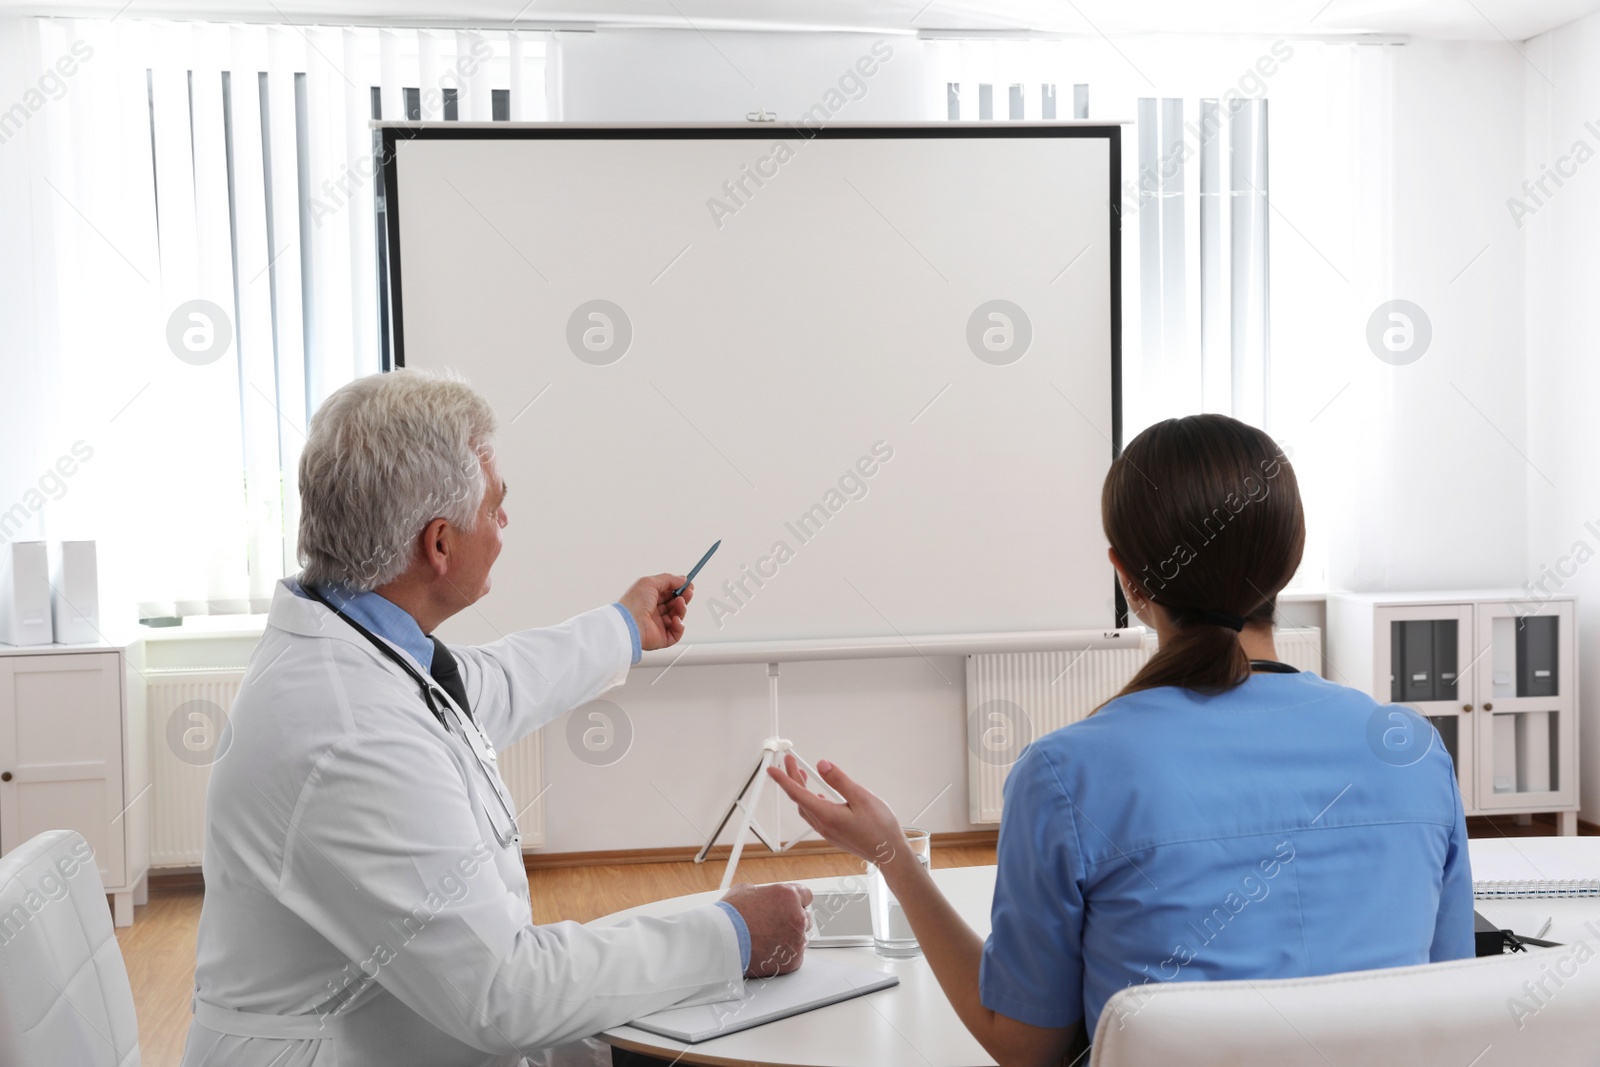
(183, 719)
(182, 746)
(522, 766)
(1013, 698)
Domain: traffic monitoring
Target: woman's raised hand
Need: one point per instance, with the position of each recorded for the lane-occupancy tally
(863, 825)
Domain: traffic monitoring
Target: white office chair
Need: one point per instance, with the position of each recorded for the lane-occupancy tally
(64, 992)
(1474, 1012)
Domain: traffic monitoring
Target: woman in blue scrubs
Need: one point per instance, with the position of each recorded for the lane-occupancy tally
(1224, 816)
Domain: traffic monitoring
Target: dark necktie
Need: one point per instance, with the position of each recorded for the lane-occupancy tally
(447, 673)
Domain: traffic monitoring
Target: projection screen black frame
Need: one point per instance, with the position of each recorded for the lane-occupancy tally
(394, 133)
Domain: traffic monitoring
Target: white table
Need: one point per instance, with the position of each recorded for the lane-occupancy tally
(908, 1025)
(912, 1024)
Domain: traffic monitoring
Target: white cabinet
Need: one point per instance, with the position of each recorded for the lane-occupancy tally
(74, 756)
(1494, 672)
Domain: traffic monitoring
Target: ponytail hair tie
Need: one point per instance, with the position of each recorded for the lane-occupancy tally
(1221, 618)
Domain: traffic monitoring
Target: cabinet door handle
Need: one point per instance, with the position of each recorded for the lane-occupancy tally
(1466, 707)
(5, 777)
(1488, 707)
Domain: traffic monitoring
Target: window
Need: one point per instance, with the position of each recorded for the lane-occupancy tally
(1203, 327)
(209, 227)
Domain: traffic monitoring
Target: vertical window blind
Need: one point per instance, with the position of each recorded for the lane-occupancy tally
(1028, 79)
(1203, 260)
(209, 205)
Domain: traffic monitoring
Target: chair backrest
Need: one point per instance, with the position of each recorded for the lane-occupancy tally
(1538, 1007)
(64, 992)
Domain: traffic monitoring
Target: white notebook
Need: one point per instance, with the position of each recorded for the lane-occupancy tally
(1531, 867)
(817, 983)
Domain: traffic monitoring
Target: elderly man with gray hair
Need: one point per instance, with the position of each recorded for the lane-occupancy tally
(366, 901)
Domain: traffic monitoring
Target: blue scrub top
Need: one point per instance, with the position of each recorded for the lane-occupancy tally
(1288, 827)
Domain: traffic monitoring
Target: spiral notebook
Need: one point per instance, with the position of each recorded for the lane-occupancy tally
(1519, 868)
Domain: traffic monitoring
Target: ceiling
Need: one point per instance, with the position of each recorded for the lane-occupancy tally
(1483, 20)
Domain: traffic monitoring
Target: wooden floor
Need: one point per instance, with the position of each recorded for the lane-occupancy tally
(159, 946)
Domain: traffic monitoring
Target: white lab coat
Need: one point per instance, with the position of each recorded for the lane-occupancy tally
(359, 909)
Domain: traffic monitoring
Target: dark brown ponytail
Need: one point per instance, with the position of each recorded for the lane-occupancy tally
(1204, 513)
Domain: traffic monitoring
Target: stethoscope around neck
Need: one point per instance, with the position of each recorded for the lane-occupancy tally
(438, 700)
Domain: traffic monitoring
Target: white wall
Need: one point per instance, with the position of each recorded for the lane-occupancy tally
(686, 76)
(1457, 419)
(897, 725)
(1562, 240)
(1414, 457)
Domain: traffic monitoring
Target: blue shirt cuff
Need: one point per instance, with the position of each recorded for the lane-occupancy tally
(742, 930)
(633, 631)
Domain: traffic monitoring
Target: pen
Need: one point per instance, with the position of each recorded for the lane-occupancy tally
(679, 591)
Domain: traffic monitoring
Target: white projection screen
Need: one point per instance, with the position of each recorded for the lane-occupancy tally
(879, 363)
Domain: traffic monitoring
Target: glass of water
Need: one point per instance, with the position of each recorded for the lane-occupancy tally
(891, 932)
